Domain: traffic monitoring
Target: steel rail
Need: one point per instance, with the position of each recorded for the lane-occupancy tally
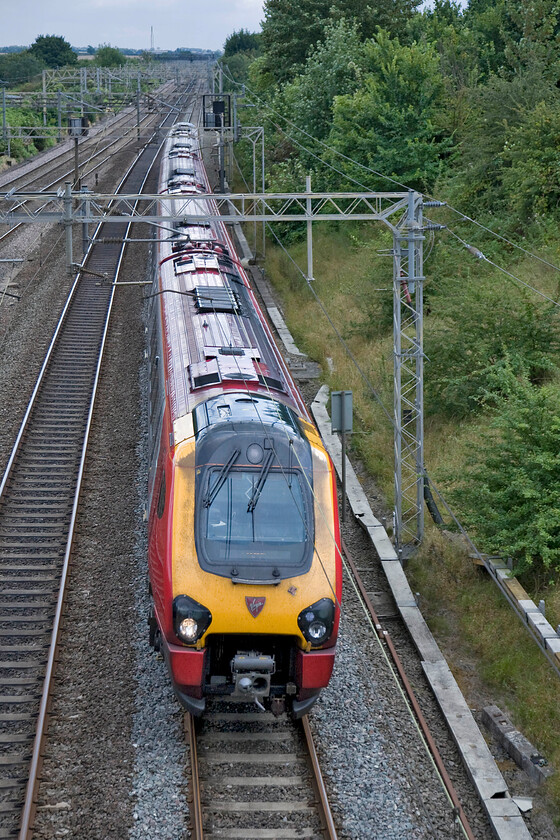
(52, 346)
(28, 811)
(118, 121)
(318, 782)
(307, 755)
(195, 802)
(385, 637)
(29, 804)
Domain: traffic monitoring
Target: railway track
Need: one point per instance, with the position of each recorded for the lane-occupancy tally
(39, 498)
(254, 775)
(367, 583)
(94, 152)
(118, 127)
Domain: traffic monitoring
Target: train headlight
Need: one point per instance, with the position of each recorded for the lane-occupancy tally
(188, 630)
(317, 621)
(190, 619)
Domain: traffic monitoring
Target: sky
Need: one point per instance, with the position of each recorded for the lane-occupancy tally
(126, 23)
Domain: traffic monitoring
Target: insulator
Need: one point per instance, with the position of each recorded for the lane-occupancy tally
(475, 252)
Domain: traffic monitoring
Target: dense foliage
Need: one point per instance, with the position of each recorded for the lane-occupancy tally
(53, 50)
(108, 56)
(17, 69)
(462, 103)
(242, 41)
(511, 494)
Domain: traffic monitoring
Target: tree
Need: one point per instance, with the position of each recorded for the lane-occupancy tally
(391, 124)
(53, 50)
(482, 338)
(530, 177)
(108, 56)
(18, 68)
(289, 30)
(513, 34)
(511, 491)
(333, 68)
(503, 113)
(368, 17)
(242, 41)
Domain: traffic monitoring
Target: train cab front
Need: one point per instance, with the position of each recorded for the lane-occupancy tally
(255, 571)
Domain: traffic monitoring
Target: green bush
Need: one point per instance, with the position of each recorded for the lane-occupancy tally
(481, 337)
(18, 68)
(510, 493)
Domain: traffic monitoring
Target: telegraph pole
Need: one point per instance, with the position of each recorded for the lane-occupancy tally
(44, 97)
(4, 132)
(67, 220)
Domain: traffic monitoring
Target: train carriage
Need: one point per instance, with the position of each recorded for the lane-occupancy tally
(244, 549)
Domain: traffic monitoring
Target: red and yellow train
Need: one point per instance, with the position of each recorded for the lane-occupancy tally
(244, 547)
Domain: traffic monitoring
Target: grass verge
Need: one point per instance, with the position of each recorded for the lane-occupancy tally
(345, 324)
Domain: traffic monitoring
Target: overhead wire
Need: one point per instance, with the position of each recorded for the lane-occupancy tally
(365, 378)
(447, 228)
(405, 443)
(326, 314)
(474, 251)
(382, 175)
(480, 256)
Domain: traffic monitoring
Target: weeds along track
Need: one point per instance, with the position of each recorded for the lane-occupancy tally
(254, 775)
(39, 497)
(103, 142)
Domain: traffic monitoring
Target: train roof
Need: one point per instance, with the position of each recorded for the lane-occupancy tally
(215, 336)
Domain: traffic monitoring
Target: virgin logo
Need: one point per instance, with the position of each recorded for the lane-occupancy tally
(254, 605)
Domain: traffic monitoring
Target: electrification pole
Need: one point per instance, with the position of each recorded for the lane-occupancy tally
(138, 108)
(408, 376)
(408, 286)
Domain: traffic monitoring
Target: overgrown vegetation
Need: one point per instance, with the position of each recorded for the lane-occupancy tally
(511, 487)
(21, 71)
(53, 51)
(462, 104)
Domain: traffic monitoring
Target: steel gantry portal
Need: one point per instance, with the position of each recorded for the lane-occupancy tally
(402, 212)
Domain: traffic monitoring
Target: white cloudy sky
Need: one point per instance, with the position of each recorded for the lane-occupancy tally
(126, 23)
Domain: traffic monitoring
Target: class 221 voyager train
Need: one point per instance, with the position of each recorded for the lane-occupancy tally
(243, 540)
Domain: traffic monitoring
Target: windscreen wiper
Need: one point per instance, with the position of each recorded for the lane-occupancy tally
(222, 475)
(260, 482)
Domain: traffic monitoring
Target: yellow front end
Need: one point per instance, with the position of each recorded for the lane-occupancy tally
(227, 600)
